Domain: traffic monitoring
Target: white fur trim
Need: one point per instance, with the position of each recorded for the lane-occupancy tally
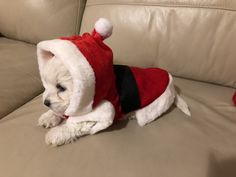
(103, 27)
(82, 73)
(157, 107)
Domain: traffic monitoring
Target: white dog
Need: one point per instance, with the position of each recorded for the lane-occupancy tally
(58, 89)
(82, 84)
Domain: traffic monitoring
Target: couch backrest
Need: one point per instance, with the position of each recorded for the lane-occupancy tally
(36, 20)
(193, 39)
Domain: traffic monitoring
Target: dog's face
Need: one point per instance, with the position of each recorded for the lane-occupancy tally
(58, 86)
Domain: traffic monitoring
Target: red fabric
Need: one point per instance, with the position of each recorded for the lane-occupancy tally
(100, 58)
(152, 82)
(65, 117)
(234, 99)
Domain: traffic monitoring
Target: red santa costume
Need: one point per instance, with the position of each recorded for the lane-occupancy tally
(95, 78)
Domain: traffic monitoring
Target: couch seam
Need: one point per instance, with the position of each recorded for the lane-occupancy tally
(77, 17)
(20, 105)
(167, 5)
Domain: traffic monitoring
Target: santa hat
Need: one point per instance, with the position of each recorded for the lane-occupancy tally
(89, 62)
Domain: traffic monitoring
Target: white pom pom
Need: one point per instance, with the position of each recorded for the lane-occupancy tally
(103, 27)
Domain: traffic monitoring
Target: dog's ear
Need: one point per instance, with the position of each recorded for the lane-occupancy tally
(43, 54)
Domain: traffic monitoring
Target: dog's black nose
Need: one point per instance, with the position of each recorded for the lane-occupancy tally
(47, 103)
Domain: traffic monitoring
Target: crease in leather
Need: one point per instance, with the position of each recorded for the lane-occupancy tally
(80, 12)
(177, 5)
(77, 17)
(3, 117)
(205, 105)
(205, 82)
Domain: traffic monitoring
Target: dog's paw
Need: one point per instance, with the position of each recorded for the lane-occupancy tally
(60, 135)
(49, 120)
(67, 133)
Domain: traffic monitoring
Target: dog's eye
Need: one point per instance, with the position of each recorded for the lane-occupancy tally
(60, 88)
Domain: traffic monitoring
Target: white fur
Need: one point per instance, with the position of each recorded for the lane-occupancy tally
(99, 119)
(103, 27)
(103, 115)
(83, 75)
(49, 119)
(54, 72)
(67, 133)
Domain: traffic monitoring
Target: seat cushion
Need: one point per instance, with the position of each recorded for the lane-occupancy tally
(19, 78)
(174, 145)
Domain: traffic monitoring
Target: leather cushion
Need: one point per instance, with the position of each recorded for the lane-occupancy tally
(191, 39)
(19, 78)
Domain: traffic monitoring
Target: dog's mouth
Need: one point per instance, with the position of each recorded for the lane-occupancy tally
(58, 109)
(65, 117)
(62, 115)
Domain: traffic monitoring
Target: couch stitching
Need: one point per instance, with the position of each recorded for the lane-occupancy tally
(177, 5)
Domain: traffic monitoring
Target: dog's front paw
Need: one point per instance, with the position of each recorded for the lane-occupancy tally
(60, 135)
(68, 133)
(49, 119)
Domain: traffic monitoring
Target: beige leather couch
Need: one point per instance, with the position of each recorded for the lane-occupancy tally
(193, 39)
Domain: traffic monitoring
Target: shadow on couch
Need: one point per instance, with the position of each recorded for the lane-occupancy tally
(222, 167)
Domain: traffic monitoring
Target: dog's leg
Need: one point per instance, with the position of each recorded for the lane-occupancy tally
(103, 115)
(49, 119)
(100, 118)
(67, 133)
